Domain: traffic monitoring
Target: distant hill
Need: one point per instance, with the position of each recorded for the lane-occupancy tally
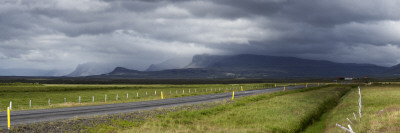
(205, 60)
(392, 71)
(174, 63)
(91, 68)
(254, 66)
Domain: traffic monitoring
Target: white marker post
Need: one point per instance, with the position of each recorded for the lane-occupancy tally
(170, 92)
(79, 99)
(359, 101)
(10, 105)
(30, 103)
(189, 90)
(155, 92)
(195, 90)
(105, 98)
(127, 96)
(348, 130)
(92, 98)
(146, 93)
(116, 98)
(183, 91)
(49, 101)
(349, 120)
(137, 94)
(65, 100)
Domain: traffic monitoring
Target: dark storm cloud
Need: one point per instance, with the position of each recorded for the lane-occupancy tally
(60, 34)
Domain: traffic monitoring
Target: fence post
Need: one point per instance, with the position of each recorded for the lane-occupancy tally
(65, 100)
(127, 95)
(30, 103)
(49, 101)
(10, 105)
(79, 99)
(105, 98)
(92, 98)
(116, 98)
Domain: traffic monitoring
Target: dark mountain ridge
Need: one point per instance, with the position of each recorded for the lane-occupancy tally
(254, 66)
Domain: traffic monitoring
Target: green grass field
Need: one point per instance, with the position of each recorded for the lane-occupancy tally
(20, 93)
(380, 111)
(289, 111)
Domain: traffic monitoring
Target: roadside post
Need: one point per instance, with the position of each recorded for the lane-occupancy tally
(8, 118)
(233, 95)
(162, 96)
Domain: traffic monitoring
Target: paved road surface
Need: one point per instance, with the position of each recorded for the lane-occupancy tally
(31, 116)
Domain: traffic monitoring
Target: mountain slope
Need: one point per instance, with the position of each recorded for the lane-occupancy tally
(174, 63)
(255, 66)
(88, 69)
(392, 71)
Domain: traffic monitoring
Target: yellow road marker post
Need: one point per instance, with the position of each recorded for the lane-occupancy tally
(233, 95)
(241, 88)
(162, 96)
(8, 117)
(306, 85)
(284, 87)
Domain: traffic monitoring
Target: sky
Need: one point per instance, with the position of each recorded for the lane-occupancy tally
(58, 35)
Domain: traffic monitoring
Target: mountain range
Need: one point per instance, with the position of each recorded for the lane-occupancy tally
(256, 66)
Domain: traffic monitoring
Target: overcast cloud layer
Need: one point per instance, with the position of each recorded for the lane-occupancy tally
(60, 34)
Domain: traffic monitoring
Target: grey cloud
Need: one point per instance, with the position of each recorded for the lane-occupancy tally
(60, 34)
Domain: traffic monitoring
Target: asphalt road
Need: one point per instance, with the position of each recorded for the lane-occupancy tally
(31, 116)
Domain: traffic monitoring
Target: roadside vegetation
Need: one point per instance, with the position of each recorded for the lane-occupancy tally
(290, 111)
(380, 111)
(67, 95)
(239, 115)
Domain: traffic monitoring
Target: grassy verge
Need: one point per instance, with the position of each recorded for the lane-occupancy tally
(380, 111)
(102, 123)
(289, 111)
(21, 93)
